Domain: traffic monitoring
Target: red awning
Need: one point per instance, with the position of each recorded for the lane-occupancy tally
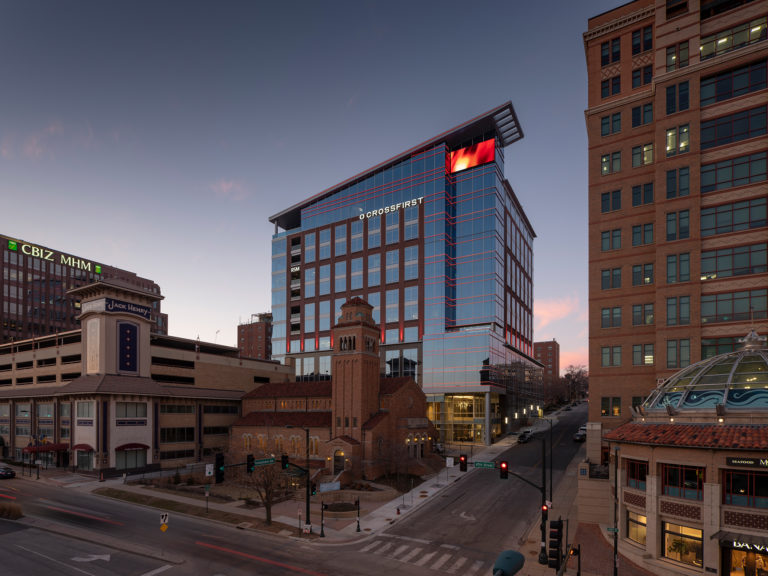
(83, 447)
(133, 446)
(58, 447)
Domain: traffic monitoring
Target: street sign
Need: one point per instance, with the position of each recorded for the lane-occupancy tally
(485, 465)
(263, 461)
(613, 529)
(164, 521)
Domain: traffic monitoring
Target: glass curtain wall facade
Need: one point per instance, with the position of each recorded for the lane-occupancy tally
(444, 253)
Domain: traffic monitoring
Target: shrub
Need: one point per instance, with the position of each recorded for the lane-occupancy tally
(10, 510)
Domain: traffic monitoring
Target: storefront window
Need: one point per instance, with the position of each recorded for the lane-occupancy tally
(636, 527)
(745, 562)
(682, 543)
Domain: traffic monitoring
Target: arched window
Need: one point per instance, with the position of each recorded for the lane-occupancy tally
(247, 442)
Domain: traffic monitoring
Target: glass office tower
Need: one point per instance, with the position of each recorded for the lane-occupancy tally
(437, 242)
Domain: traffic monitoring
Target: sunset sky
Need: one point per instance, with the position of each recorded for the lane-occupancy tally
(158, 137)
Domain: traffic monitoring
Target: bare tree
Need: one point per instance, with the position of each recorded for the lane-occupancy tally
(578, 379)
(268, 481)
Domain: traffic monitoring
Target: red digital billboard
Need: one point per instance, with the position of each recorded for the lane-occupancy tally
(474, 155)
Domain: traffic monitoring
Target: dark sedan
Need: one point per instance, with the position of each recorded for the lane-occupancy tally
(579, 436)
(6, 472)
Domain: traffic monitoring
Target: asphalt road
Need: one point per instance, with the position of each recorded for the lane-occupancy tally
(461, 531)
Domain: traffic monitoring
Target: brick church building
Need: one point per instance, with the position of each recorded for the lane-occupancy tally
(358, 424)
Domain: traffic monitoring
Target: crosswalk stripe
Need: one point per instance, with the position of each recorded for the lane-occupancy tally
(475, 568)
(408, 557)
(399, 550)
(426, 558)
(371, 546)
(443, 559)
(384, 548)
(459, 563)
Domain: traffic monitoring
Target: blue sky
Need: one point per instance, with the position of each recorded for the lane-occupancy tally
(160, 136)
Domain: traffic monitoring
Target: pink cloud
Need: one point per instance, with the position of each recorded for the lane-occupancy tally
(546, 312)
(229, 189)
(7, 148)
(33, 146)
(54, 127)
(575, 357)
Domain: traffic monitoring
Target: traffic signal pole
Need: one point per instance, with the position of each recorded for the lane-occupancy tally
(543, 558)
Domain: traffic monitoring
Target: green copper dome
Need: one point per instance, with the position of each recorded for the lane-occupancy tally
(736, 380)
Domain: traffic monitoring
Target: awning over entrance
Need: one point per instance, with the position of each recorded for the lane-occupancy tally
(133, 446)
(83, 447)
(736, 540)
(58, 447)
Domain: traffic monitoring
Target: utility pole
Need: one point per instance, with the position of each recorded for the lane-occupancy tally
(543, 558)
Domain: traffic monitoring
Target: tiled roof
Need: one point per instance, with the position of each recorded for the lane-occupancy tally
(114, 384)
(719, 436)
(314, 388)
(391, 385)
(375, 420)
(347, 439)
(317, 388)
(282, 419)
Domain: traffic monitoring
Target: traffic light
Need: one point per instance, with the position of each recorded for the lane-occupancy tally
(544, 512)
(314, 489)
(250, 464)
(574, 550)
(463, 462)
(219, 468)
(284, 461)
(503, 470)
(555, 543)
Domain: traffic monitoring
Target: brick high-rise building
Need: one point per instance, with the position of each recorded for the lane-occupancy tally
(34, 285)
(547, 353)
(676, 122)
(254, 339)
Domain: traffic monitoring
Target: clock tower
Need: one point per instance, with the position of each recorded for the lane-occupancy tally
(355, 369)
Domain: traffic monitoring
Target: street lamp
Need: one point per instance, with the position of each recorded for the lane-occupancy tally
(306, 431)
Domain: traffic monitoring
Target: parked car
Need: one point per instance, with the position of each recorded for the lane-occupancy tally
(6, 472)
(580, 436)
(525, 436)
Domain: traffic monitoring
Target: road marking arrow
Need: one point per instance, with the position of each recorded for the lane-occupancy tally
(92, 557)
